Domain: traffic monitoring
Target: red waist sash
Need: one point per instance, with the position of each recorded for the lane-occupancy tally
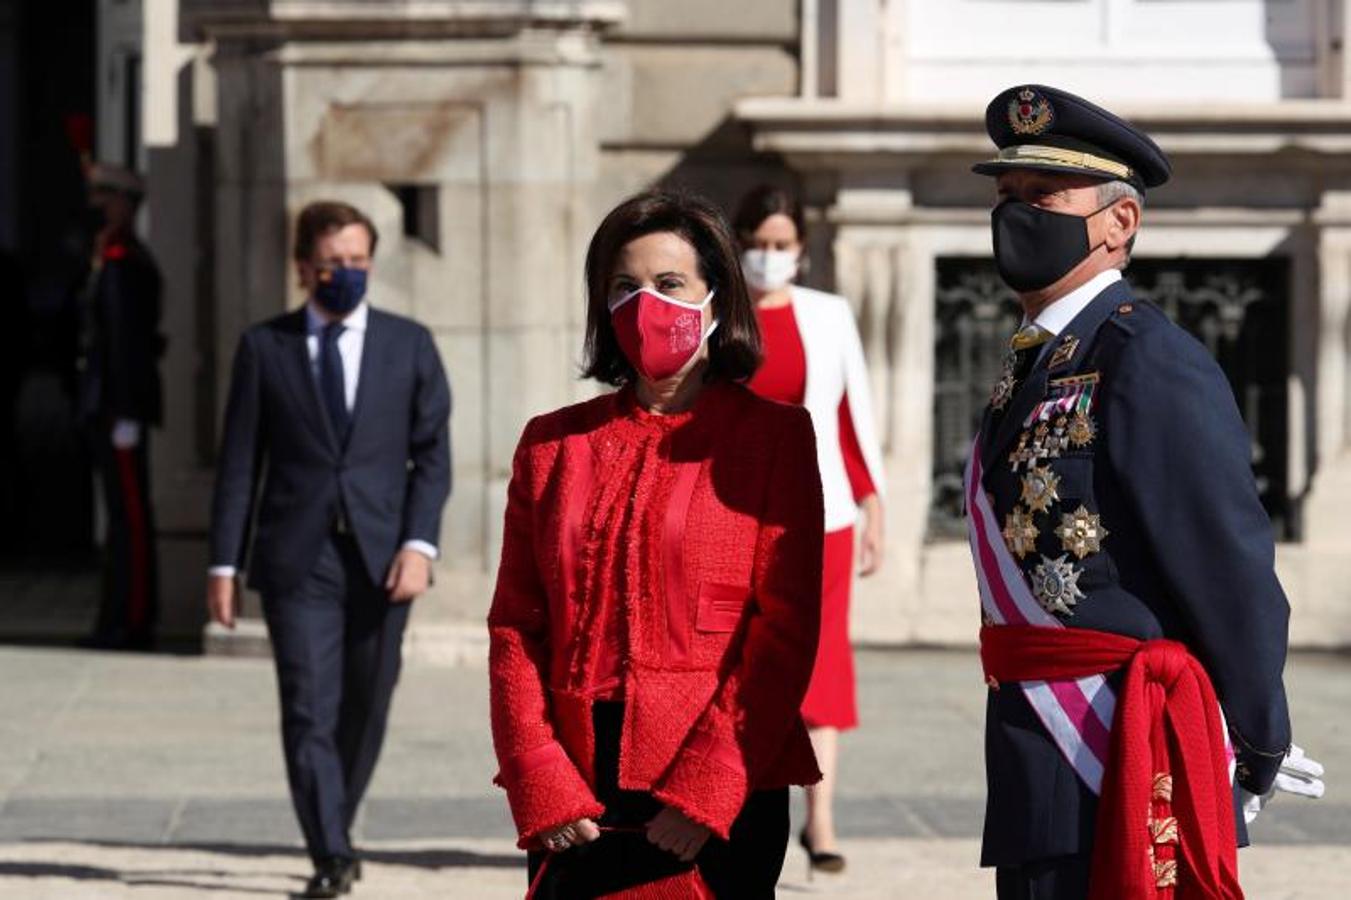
(1166, 802)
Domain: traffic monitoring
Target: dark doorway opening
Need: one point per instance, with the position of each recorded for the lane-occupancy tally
(47, 104)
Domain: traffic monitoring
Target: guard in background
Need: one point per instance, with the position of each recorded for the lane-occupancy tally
(1134, 629)
(119, 399)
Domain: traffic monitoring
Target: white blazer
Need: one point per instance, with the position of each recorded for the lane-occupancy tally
(835, 368)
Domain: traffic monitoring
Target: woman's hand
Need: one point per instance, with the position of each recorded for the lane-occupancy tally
(674, 832)
(872, 548)
(580, 831)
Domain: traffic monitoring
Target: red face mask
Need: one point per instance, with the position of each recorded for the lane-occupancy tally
(659, 334)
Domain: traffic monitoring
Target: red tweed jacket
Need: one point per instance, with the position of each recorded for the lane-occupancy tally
(714, 670)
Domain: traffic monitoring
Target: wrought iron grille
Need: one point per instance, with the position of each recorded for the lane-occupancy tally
(976, 314)
(1238, 308)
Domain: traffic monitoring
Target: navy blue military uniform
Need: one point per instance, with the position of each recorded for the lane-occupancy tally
(1131, 509)
(120, 350)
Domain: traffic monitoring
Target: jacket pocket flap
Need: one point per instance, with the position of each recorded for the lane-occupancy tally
(721, 606)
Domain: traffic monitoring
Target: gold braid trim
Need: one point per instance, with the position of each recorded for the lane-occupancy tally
(1070, 159)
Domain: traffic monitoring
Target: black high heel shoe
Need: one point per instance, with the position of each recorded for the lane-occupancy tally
(832, 863)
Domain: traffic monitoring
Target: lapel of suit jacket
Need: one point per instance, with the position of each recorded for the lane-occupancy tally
(1079, 332)
(299, 377)
(373, 347)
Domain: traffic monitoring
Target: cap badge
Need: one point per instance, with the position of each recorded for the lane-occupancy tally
(1030, 112)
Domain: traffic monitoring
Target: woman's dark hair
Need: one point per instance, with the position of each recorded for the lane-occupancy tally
(763, 202)
(734, 348)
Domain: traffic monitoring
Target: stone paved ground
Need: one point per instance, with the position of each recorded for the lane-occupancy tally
(161, 777)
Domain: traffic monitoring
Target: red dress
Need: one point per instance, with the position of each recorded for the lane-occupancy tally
(652, 558)
(831, 697)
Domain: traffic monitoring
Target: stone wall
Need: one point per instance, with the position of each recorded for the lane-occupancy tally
(513, 135)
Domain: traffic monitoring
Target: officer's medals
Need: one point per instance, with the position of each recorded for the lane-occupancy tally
(1081, 532)
(1056, 585)
(1020, 532)
(1063, 352)
(1002, 392)
(1082, 429)
(1024, 453)
(1040, 488)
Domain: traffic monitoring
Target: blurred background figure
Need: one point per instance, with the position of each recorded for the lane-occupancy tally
(813, 357)
(119, 398)
(338, 423)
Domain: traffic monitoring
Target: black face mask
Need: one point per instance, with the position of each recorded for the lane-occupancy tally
(1034, 247)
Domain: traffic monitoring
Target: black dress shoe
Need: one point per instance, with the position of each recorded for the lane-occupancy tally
(332, 878)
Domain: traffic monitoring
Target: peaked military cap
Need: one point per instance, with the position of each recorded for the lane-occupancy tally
(1039, 127)
(109, 177)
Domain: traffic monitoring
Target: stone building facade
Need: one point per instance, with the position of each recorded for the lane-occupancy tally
(487, 138)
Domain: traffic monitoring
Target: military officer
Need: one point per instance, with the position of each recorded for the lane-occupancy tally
(1134, 628)
(120, 400)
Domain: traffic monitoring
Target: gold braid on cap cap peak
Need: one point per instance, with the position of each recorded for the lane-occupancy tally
(1056, 156)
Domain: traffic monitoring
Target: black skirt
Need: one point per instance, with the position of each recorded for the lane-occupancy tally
(745, 867)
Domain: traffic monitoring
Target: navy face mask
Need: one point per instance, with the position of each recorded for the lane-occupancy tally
(1034, 247)
(340, 290)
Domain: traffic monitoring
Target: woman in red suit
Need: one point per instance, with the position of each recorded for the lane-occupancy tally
(813, 357)
(655, 620)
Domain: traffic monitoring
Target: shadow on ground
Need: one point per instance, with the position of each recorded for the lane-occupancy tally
(200, 878)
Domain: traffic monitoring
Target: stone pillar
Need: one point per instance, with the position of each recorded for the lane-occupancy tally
(469, 137)
(858, 56)
(1334, 328)
(889, 281)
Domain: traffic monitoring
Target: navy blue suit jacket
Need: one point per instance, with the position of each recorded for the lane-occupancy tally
(390, 480)
(1189, 556)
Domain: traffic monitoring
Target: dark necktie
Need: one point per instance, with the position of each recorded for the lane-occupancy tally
(332, 388)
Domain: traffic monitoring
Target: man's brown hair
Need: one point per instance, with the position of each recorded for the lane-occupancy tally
(734, 348)
(323, 217)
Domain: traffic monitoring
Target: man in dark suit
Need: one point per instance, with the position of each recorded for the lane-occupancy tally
(1124, 560)
(338, 421)
(120, 346)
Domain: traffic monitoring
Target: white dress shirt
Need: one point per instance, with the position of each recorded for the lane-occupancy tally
(351, 342)
(1057, 317)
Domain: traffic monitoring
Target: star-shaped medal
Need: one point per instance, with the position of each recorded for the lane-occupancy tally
(1081, 532)
(1040, 486)
(1056, 584)
(1082, 430)
(1020, 532)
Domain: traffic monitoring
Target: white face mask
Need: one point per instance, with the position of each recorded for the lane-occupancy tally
(769, 270)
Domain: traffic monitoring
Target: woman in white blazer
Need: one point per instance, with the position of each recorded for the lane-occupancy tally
(813, 357)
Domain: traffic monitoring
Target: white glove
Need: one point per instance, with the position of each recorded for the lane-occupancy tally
(1298, 774)
(126, 434)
